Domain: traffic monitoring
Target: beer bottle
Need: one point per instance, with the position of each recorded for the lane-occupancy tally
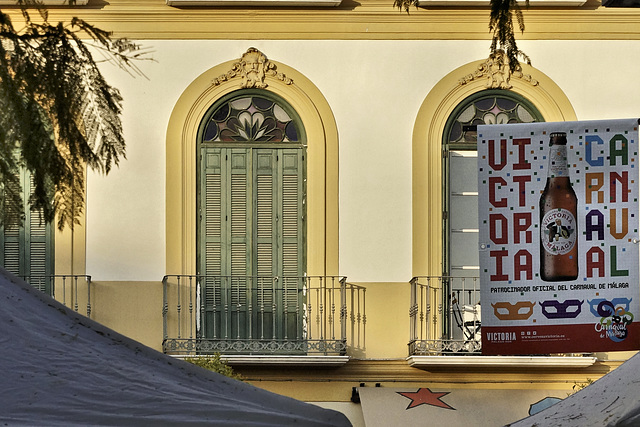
(558, 217)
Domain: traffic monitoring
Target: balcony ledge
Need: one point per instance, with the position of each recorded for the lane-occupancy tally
(424, 362)
(288, 360)
(235, 360)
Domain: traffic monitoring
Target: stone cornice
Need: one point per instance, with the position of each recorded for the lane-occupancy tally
(372, 371)
(366, 20)
(501, 362)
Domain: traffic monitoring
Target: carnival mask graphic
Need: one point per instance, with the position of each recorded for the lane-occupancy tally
(601, 307)
(570, 309)
(520, 310)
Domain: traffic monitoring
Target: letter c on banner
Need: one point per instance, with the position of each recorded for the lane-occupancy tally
(496, 181)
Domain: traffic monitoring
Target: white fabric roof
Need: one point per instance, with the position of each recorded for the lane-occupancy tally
(612, 401)
(60, 368)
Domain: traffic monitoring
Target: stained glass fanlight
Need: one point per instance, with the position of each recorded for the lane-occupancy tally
(251, 118)
(488, 107)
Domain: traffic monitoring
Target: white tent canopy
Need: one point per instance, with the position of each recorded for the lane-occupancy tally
(612, 401)
(61, 368)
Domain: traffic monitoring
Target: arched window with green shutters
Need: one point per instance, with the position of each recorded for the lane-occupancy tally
(460, 216)
(27, 246)
(251, 225)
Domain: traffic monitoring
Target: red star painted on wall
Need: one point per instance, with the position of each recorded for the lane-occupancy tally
(424, 396)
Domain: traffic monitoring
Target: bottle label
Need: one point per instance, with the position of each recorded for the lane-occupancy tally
(558, 231)
(558, 161)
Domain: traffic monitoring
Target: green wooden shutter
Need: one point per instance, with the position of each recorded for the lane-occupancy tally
(27, 247)
(239, 219)
(225, 238)
(291, 238)
(266, 227)
(279, 238)
(265, 250)
(279, 212)
(292, 212)
(239, 215)
(13, 248)
(212, 219)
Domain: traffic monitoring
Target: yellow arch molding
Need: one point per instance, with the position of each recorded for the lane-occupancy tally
(253, 70)
(474, 77)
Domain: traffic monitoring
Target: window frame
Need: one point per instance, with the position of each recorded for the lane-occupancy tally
(250, 151)
(25, 238)
(322, 162)
(448, 147)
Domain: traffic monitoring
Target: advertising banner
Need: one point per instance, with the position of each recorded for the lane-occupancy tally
(558, 237)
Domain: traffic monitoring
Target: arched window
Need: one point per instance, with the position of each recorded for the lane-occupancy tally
(251, 226)
(252, 208)
(460, 193)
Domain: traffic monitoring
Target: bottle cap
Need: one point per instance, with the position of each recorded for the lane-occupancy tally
(558, 138)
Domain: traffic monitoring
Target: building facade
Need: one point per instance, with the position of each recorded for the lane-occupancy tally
(320, 244)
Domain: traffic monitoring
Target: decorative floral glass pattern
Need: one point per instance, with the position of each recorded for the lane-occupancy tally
(251, 119)
(488, 110)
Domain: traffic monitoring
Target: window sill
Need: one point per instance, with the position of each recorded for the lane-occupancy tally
(424, 362)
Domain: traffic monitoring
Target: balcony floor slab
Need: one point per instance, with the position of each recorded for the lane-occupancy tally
(425, 362)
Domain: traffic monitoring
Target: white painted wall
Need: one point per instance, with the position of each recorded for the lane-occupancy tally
(374, 89)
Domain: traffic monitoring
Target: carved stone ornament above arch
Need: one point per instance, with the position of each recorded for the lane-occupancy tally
(497, 73)
(252, 68)
(428, 131)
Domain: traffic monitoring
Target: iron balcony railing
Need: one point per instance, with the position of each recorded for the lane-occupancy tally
(320, 315)
(444, 315)
(72, 290)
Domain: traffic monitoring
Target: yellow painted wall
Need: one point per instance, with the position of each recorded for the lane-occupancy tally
(387, 327)
(325, 384)
(378, 78)
(133, 309)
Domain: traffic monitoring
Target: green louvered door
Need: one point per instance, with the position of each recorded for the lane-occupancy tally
(27, 247)
(224, 242)
(252, 242)
(279, 250)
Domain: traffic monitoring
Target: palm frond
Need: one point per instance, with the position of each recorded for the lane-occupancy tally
(503, 32)
(58, 115)
(405, 4)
